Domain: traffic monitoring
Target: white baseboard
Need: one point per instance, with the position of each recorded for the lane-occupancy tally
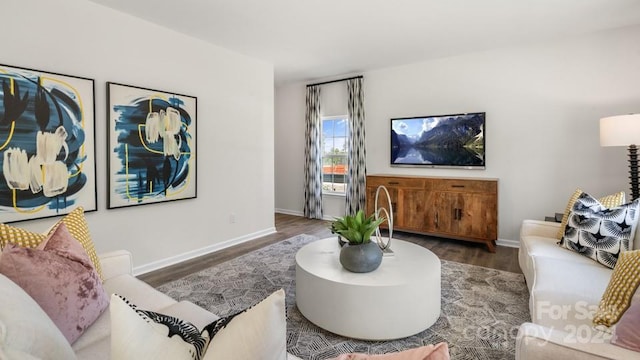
(289, 212)
(300, 213)
(508, 243)
(156, 265)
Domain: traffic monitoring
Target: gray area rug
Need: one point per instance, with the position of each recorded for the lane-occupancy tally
(481, 309)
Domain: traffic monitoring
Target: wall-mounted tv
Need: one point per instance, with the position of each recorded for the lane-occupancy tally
(449, 141)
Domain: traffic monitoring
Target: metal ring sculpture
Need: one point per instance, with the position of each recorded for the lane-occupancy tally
(384, 246)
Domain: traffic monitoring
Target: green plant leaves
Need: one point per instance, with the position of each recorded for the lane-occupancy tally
(356, 229)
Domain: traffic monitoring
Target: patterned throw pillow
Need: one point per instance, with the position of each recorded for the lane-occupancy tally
(622, 285)
(258, 332)
(627, 330)
(609, 201)
(140, 334)
(59, 276)
(76, 224)
(598, 232)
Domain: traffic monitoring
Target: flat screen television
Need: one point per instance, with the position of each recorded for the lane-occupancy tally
(448, 141)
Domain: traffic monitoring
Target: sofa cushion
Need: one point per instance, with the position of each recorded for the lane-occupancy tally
(76, 224)
(558, 300)
(98, 350)
(255, 333)
(25, 329)
(622, 285)
(99, 331)
(535, 342)
(538, 246)
(608, 201)
(627, 331)
(138, 292)
(59, 276)
(598, 232)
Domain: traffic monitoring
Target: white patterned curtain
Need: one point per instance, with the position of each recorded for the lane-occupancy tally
(313, 156)
(356, 177)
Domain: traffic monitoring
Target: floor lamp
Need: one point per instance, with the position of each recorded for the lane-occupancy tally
(624, 130)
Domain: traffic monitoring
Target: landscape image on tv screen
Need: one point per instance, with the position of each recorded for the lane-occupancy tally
(442, 140)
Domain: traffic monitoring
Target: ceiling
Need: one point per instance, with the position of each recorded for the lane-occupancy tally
(312, 39)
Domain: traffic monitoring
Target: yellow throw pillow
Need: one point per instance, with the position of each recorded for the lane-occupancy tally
(18, 236)
(76, 224)
(622, 285)
(609, 201)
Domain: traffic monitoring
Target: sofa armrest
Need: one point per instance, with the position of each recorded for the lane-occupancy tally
(539, 228)
(116, 263)
(583, 342)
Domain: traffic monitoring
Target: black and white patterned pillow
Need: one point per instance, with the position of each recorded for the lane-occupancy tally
(598, 232)
(136, 332)
(258, 332)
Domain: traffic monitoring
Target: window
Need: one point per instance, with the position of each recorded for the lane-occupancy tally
(334, 154)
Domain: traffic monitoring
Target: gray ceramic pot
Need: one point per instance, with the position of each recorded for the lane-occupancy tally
(361, 258)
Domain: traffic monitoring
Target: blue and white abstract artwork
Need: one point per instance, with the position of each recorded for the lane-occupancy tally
(152, 145)
(47, 144)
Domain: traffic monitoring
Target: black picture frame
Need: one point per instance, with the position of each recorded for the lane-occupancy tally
(151, 146)
(47, 144)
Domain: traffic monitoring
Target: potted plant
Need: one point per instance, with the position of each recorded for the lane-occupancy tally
(359, 253)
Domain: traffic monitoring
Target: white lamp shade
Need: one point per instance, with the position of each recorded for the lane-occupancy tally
(621, 130)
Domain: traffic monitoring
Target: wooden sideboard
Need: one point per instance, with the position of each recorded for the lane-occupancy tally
(455, 208)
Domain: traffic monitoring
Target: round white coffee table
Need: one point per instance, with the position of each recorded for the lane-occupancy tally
(399, 299)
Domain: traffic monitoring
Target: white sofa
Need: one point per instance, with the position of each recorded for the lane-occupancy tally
(565, 289)
(94, 343)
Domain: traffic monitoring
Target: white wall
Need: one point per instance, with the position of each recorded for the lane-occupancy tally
(235, 122)
(543, 104)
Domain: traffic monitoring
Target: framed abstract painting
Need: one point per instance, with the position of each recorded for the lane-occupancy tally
(151, 146)
(47, 144)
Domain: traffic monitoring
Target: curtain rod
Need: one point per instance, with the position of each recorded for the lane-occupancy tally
(333, 81)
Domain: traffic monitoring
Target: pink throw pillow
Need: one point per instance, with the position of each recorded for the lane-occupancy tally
(439, 351)
(60, 277)
(627, 330)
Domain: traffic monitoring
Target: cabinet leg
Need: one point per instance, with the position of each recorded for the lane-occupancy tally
(491, 245)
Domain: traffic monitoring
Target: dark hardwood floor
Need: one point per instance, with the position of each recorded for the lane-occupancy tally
(504, 258)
